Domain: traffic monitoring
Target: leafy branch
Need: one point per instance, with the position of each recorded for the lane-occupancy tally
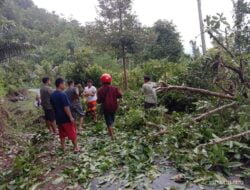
(222, 140)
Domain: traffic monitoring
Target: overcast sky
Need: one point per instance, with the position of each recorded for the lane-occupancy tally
(183, 12)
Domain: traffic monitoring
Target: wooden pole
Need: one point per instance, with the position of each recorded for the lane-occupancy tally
(203, 40)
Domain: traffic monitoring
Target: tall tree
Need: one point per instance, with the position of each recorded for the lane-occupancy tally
(167, 43)
(118, 26)
(203, 40)
(241, 22)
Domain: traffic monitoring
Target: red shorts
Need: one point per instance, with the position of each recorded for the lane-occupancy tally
(67, 130)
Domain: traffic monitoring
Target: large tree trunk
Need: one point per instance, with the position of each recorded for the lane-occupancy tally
(203, 40)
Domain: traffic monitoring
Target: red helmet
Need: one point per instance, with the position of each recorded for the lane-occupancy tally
(106, 78)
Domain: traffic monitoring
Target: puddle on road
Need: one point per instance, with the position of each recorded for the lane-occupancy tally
(162, 182)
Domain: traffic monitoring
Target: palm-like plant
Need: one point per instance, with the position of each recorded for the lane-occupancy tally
(12, 49)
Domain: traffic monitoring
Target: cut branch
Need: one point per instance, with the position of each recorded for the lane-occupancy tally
(209, 113)
(239, 70)
(221, 44)
(197, 119)
(196, 90)
(156, 126)
(224, 90)
(160, 133)
(222, 140)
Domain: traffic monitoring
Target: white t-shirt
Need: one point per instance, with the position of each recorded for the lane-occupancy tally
(149, 91)
(91, 90)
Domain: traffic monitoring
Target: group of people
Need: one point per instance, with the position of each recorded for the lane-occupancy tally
(62, 107)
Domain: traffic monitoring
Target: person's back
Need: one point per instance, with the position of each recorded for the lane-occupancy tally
(45, 93)
(107, 96)
(72, 95)
(49, 114)
(149, 92)
(59, 100)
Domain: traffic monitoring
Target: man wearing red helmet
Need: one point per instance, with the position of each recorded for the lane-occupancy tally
(107, 96)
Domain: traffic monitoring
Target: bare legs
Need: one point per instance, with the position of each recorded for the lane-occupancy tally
(63, 143)
(94, 116)
(51, 126)
(81, 122)
(111, 132)
(74, 142)
(76, 148)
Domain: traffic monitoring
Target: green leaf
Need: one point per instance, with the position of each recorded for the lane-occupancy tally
(215, 17)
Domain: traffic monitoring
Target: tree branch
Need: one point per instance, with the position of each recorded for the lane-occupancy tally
(221, 44)
(198, 119)
(153, 125)
(196, 90)
(207, 114)
(222, 140)
(225, 90)
(239, 70)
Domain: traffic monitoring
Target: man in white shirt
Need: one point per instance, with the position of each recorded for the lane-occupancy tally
(90, 92)
(149, 91)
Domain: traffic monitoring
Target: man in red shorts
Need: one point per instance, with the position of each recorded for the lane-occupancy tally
(107, 96)
(64, 119)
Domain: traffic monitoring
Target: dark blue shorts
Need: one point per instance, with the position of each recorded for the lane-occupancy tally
(49, 115)
(109, 118)
(77, 110)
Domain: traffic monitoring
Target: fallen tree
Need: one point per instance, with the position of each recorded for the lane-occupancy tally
(222, 140)
(196, 90)
(211, 112)
(197, 119)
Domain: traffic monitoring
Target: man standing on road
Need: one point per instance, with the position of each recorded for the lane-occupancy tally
(45, 93)
(64, 118)
(149, 91)
(90, 93)
(75, 104)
